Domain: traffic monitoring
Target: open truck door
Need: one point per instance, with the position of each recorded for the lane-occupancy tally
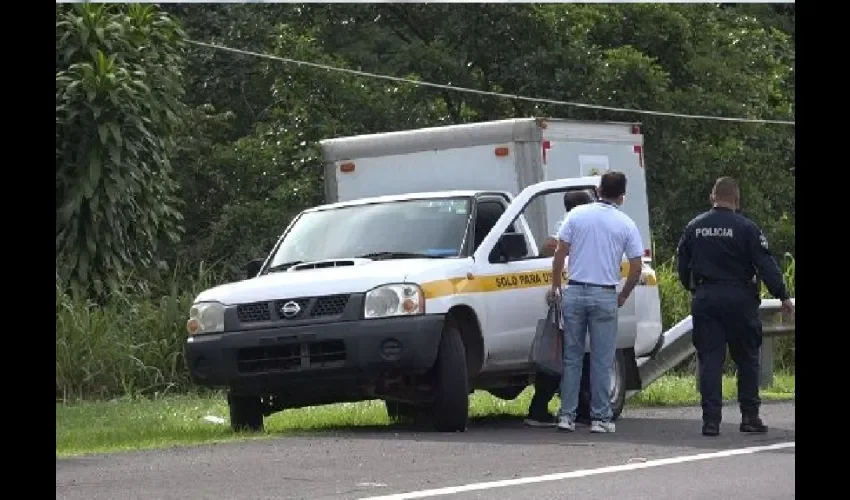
(519, 277)
(508, 258)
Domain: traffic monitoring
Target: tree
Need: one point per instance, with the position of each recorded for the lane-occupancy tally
(118, 91)
(695, 59)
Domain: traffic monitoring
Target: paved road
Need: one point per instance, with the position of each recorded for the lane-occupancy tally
(769, 475)
(383, 461)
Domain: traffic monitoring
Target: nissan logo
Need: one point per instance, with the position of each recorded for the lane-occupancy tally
(290, 309)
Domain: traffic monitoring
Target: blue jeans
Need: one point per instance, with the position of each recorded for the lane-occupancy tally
(589, 310)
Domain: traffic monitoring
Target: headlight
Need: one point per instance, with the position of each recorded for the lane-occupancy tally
(205, 317)
(394, 300)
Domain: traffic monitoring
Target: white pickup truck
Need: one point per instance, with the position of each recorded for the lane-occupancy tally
(421, 281)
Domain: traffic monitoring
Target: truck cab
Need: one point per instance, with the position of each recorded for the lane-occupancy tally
(415, 298)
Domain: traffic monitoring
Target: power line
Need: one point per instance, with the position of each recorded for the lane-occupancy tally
(483, 92)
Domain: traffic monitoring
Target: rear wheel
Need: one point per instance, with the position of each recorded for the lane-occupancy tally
(246, 413)
(618, 388)
(450, 409)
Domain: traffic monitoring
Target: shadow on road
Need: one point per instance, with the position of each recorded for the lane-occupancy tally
(640, 426)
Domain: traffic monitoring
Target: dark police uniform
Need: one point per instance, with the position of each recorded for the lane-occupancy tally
(720, 255)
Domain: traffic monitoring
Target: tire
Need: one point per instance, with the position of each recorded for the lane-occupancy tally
(246, 413)
(618, 396)
(450, 409)
(401, 412)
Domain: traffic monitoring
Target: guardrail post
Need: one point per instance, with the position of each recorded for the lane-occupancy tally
(696, 371)
(766, 358)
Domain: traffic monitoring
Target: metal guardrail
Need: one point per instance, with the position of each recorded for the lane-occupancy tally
(677, 345)
(774, 324)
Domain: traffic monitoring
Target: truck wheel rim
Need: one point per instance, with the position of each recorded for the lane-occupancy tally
(615, 382)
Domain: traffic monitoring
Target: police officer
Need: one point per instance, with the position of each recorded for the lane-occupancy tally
(720, 255)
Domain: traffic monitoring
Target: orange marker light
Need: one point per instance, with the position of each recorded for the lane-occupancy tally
(408, 305)
(502, 151)
(346, 167)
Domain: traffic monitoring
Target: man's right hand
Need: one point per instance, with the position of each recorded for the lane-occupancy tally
(552, 295)
(788, 307)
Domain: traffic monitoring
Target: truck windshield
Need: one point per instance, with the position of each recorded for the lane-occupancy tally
(398, 229)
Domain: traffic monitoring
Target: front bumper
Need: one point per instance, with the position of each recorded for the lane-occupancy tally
(268, 360)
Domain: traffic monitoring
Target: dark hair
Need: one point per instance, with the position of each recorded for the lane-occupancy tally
(612, 185)
(573, 199)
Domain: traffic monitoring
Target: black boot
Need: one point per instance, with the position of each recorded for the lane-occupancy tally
(753, 424)
(710, 429)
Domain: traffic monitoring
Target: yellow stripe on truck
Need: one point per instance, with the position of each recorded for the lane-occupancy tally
(534, 278)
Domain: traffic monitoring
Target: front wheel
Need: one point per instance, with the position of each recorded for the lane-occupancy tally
(246, 413)
(450, 409)
(618, 388)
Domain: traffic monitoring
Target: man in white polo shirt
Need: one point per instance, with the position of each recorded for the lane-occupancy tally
(546, 385)
(595, 236)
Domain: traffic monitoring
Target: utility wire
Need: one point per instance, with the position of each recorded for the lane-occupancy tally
(482, 92)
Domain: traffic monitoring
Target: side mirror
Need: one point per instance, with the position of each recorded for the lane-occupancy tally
(253, 268)
(511, 246)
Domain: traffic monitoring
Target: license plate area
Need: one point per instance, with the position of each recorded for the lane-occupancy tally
(291, 356)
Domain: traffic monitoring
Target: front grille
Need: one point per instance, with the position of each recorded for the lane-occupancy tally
(251, 313)
(315, 307)
(291, 357)
(331, 305)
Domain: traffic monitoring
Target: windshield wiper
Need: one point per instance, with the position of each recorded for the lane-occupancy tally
(283, 267)
(398, 255)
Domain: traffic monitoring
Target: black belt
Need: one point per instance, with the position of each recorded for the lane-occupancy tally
(703, 281)
(582, 283)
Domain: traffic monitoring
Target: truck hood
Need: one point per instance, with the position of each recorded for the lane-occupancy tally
(358, 278)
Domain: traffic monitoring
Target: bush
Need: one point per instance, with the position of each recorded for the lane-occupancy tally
(129, 345)
(133, 345)
(675, 305)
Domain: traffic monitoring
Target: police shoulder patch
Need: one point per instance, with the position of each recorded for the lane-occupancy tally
(762, 240)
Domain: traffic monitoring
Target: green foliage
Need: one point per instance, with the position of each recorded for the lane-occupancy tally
(131, 344)
(676, 305)
(243, 193)
(701, 59)
(675, 301)
(118, 102)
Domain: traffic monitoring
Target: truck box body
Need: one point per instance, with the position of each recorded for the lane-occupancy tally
(504, 155)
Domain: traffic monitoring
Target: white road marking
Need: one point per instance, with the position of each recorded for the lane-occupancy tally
(581, 473)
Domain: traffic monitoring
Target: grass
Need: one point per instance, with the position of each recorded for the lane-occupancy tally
(143, 423)
(681, 390)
